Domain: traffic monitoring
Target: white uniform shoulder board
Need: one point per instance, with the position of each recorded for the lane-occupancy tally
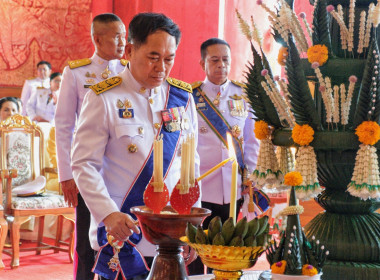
(180, 84)
(79, 63)
(106, 84)
(238, 84)
(196, 84)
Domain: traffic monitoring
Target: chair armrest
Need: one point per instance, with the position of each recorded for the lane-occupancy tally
(6, 176)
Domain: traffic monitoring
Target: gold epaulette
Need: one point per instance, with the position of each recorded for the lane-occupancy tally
(196, 84)
(31, 78)
(238, 84)
(40, 87)
(79, 62)
(106, 85)
(123, 62)
(180, 84)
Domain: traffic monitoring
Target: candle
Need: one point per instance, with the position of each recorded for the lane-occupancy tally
(234, 174)
(155, 160)
(192, 160)
(187, 163)
(219, 165)
(161, 164)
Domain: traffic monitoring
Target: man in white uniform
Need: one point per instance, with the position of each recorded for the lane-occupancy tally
(112, 159)
(42, 102)
(221, 109)
(41, 81)
(108, 35)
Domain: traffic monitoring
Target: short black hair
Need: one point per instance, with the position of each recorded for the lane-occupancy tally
(55, 74)
(144, 24)
(210, 42)
(11, 99)
(42, 62)
(106, 18)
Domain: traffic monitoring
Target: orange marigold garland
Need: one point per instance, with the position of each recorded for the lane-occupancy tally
(282, 56)
(318, 53)
(261, 130)
(303, 134)
(306, 162)
(309, 270)
(293, 179)
(267, 171)
(278, 267)
(365, 181)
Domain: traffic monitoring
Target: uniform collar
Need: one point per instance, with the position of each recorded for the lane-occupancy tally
(135, 86)
(212, 88)
(102, 62)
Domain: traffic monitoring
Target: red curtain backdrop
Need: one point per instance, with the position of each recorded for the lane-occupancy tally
(59, 30)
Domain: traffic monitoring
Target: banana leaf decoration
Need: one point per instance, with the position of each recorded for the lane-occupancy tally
(367, 87)
(302, 103)
(260, 102)
(321, 23)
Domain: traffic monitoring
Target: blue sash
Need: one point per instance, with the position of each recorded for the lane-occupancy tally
(218, 124)
(132, 263)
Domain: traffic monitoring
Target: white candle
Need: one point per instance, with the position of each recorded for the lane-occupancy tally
(182, 179)
(187, 163)
(234, 173)
(192, 160)
(155, 160)
(161, 164)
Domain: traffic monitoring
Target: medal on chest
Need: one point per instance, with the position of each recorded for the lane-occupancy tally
(173, 120)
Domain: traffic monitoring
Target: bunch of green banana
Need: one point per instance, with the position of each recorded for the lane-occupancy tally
(251, 234)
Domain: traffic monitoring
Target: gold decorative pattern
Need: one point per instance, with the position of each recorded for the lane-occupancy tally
(180, 84)
(17, 121)
(106, 85)
(239, 84)
(124, 62)
(79, 62)
(196, 84)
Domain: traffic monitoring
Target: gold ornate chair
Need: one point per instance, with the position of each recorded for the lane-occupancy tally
(3, 230)
(22, 153)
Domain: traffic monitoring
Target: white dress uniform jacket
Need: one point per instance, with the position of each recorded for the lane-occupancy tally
(75, 85)
(216, 187)
(41, 104)
(103, 167)
(29, 85)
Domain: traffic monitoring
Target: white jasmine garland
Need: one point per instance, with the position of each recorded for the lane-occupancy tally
(344, 116)
(306, 164)
(336, 117)
(343, 34)
(351, 22)
(368, 25)
(339, 20)
(361, 31)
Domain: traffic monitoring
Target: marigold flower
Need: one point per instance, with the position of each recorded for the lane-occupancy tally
(303, 134)
(293, 179)
(282, 55)
(318, 53)
(278, 267)
(261, 130)
(309, 270)
(368, 132)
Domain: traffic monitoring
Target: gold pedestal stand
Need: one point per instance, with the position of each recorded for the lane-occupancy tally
(165, 230)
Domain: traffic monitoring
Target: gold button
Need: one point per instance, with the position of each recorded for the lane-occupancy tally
(142, 90)
(141, 130)
(132, 148)
(151, 100)
(157, 125)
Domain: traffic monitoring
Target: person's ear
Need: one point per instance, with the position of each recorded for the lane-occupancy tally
(202, 63)
(128, 50)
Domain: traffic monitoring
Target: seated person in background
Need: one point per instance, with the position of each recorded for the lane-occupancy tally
(42, 80)
(8, 107)
(42, 102)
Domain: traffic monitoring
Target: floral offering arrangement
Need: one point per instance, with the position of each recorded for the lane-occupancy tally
(293, 254)
(278, 104)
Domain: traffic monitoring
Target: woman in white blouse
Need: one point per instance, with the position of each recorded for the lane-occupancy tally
(42, 103)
